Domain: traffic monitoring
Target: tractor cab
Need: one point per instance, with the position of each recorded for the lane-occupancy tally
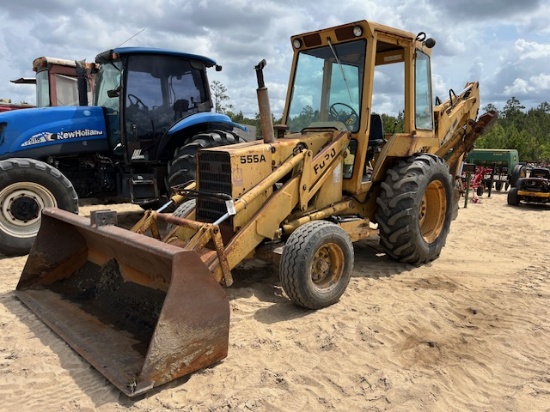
(145, 95)
(341, 79)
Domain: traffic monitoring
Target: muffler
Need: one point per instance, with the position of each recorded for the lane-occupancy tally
(141, 311)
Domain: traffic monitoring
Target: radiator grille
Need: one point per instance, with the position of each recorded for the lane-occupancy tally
(214, 176)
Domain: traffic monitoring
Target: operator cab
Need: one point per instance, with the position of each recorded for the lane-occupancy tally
(152, 89)
(359, 78)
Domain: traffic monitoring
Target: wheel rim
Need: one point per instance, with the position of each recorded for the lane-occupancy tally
(20, 207)
(433, 208)
(327, 266)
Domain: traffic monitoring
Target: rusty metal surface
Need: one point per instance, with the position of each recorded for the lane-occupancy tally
(142, 312)
(466, 144)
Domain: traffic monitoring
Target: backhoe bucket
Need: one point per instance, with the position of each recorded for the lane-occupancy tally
(141, 311)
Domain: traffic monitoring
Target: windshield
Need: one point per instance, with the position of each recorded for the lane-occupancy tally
(42, 89)
(327, 87)
(162, 90)
(108, 78)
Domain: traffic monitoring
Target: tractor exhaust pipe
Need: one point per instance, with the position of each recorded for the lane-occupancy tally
(266, 119)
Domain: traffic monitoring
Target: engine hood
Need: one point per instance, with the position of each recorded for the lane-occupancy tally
(31, 129)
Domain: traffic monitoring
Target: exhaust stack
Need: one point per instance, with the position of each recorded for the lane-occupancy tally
(266, 119)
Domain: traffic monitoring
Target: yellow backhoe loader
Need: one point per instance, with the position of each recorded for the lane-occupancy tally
(144, 309)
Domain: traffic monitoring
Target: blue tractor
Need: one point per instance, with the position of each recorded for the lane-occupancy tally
(152, 111)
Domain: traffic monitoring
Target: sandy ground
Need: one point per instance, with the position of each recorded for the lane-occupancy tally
(468, 332)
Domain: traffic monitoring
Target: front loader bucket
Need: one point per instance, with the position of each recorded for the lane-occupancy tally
(142, 312)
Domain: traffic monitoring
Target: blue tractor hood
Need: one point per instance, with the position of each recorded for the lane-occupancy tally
(27, 130)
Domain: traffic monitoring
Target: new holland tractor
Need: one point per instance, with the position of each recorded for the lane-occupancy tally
(145, 307)
(151, 111)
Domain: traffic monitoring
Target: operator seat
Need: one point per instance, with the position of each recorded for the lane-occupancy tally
(376, 135)
(180, 106)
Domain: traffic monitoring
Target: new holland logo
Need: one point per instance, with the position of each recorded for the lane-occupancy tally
(137, 155)
(43, 137)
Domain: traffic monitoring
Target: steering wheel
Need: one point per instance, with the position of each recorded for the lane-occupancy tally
(136, 101)
(348, 119)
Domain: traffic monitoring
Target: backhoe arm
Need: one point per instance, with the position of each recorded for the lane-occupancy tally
(456, 125)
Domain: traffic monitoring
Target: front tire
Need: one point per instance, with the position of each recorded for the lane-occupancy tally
(26, 187)
(513, 198)
(183, 168)
(316, 264)
(415, 209)
(181, 211)
(518, 172)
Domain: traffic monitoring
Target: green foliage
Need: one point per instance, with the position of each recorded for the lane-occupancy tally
(527, 131)
(393, 124)
(220, 97)
(239, 118)
(304, 119)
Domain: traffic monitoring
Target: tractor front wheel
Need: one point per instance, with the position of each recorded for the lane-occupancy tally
(513, 198)
(26, 187)
(518, 172)
(415, 209)
(181, 211)
(316, 264)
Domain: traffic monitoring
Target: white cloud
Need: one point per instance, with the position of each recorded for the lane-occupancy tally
(534, 85)
(486, 41)
(518, 87)
(531, 50)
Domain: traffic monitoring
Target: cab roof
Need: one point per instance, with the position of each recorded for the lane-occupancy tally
(156, 51)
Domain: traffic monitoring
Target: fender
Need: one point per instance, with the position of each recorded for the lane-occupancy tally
(199, 118)
(52, 130)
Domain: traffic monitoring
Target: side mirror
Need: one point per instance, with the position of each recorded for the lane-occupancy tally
(114, 92)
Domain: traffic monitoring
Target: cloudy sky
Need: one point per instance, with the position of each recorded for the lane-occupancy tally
(503, 44)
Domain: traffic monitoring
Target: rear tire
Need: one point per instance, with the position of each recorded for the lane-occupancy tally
(316, 264)
(183, 168)
(26, 187)
(415, 209)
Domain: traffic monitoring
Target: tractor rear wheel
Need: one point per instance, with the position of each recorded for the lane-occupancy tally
(316, 264)
(183, 168)
(26, 187)
(415, 209)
